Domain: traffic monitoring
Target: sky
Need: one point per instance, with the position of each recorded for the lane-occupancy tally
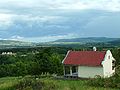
(49, 20)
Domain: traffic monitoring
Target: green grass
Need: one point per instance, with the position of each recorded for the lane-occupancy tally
(8, 83)
(74, 85)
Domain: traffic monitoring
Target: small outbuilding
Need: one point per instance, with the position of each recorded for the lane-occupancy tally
(88, 64)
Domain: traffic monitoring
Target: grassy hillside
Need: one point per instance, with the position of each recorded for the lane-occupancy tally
(14, 43)
(87, 40)
(90, 41)
(115, 42)
(7, 83)
(11, 83)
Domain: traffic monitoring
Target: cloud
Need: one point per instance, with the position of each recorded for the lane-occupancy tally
(109, 5)
(16, 37)
(5, 21)
(104, 25)
(8, 20)
(50, 38)
(41, 39)
(50, 19)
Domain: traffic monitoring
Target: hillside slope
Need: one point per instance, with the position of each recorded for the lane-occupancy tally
(86, 40)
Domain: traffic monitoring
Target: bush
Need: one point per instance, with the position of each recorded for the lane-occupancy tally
(30, 83)
(97, 81)
(112, 82)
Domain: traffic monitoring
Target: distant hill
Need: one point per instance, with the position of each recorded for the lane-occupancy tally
(12, 43)
(115, 42)
(87, 40)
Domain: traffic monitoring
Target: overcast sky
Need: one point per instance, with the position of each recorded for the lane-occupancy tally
(47, 20)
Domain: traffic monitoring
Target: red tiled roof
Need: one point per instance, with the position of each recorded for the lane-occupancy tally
(84, 58)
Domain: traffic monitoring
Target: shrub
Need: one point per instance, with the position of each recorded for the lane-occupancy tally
(30, 83)
(113, 82)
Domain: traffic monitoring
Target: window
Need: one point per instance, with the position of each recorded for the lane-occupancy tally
(113, 65)
(108, 57)
(74, 69)
(67, 70)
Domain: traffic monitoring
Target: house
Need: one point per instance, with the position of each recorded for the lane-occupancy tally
(88, 64)
(8, 53)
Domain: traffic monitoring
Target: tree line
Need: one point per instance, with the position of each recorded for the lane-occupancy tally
(27, 62)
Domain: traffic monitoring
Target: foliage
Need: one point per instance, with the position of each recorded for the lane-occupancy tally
(29, 83)
(32, 62)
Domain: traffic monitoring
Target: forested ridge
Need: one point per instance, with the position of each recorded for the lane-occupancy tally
(32, 62)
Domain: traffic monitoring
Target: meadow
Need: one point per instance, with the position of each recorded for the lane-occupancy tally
(47, 83)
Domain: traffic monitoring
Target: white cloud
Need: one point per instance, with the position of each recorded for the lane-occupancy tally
(16, 37)
(110, 5)
(7, 20)
(41, 39)
(26, 15)
(50, 38)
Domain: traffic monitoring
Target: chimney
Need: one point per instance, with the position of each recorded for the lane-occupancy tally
(94, 49)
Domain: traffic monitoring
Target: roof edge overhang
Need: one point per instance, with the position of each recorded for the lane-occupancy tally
(83, 65)
(105, 56)
(66, 56)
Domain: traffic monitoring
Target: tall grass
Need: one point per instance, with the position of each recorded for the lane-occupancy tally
(73, 85)
(7, 83)
(112, 82)
(48, 83)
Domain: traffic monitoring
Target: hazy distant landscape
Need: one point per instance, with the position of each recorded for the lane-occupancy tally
(90, 41)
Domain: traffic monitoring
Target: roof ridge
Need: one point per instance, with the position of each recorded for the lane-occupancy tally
(88, 51)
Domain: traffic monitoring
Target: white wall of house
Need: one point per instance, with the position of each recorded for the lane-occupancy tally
(89, 72)
(107, 64)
